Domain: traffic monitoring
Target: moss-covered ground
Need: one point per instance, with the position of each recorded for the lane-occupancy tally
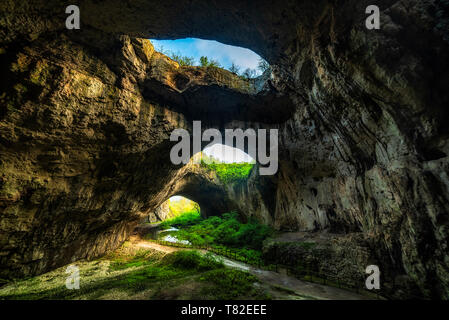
(135, 273)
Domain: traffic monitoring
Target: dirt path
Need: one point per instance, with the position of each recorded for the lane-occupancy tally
(155, 246)
(301, 288)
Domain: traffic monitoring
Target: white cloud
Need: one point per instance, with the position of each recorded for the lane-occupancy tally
(227, 54)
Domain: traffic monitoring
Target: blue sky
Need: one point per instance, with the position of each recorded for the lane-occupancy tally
(224, 54)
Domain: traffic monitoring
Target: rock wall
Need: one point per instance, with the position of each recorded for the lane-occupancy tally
(86, 115)
(74, 131)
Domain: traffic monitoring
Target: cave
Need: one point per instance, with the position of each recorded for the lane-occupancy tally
(204, 186)
(86, 116)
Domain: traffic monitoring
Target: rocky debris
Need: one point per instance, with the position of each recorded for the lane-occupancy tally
(340, 258)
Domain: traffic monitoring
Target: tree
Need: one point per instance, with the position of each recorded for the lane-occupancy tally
(186, 61)
(206, 62)
(249, 73)
(160, 49)
(234, 68)
(263, 65)
(182, 60)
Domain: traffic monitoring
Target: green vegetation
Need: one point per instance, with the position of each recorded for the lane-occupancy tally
(193, 260)
(182, 60)
(182, 205)
(230, 284)
(230, 172)
(223, 232)
(178, 57)
(186, 219)
(227, 172)
(176, 265)
(142, 257)
(182, 211)
(132, 273)
(205, 61)
(208, 62)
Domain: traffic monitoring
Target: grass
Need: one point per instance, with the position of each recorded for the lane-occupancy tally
(193, 260)
(230, 172)
(141, 258)
(183, 220)
(231, 284)
(140, 274)
(224, 231)
(307, 245)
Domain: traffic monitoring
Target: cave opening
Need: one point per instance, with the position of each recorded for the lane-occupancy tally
(173, 207)
(200, 205)
(82, 157)
(174, 213)
(182, 225)
(221, 153)
(210, 53)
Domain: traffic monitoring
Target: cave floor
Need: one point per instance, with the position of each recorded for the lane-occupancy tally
(274, 280)
(101, 279)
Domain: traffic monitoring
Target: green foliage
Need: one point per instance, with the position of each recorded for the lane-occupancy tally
(141, 258)
(118, 276)
(184, 219)
(182, 60)
(175, 265)
(193, 260)
(151, 273)
(181, 206)
(178, 57)
(230, 284)
(207, 62)
(228, 231)
(230, 172)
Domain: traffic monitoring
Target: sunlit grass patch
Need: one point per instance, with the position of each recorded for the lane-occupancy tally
(231, 284)
(193, 260)
(225, 230)
(230, 172)
(185, 219)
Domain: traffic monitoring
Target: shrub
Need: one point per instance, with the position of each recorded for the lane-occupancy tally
(226, 230)
(230, 284)
(185, 219)
(234, 68)
(193, 260)
(263, 65)
(230, 172)
(249, 73)
(182, 60)
(207, 62)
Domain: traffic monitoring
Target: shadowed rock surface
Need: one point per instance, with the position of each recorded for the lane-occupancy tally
(85, 119)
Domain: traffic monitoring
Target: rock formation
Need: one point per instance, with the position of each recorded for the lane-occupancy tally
(85, 119)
